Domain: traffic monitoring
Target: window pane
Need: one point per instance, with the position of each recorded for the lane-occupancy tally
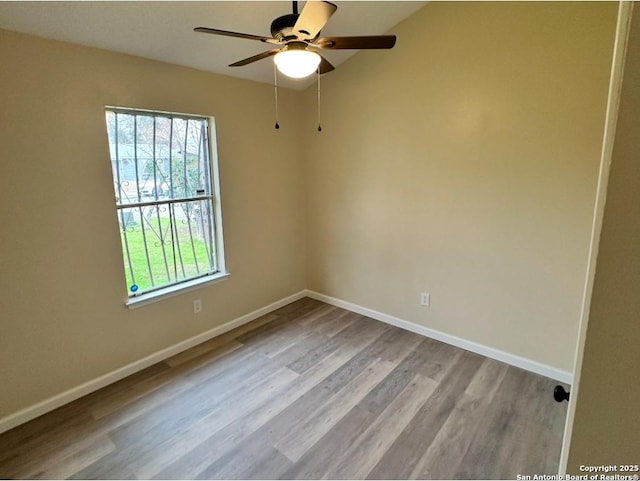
(166, 243)
(157, 157)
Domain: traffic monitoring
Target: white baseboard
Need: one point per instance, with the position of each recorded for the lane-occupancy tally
(512, 359)
(77, 392)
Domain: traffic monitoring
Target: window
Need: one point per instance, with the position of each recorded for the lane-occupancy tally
(166, 193)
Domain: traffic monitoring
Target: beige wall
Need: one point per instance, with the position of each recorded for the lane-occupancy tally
(606, 427)
(464, 164)
(63, 320)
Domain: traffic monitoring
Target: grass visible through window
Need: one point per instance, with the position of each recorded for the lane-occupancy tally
(162, 273)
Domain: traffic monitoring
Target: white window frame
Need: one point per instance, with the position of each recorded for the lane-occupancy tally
(189, 284)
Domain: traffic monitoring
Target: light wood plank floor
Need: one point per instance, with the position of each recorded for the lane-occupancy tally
(309, 391)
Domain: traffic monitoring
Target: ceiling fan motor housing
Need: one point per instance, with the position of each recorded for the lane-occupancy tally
(282, 27)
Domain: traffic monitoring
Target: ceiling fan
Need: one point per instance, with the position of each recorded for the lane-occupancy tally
(297, 37)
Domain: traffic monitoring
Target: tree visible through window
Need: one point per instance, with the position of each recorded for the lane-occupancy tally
(162, 178)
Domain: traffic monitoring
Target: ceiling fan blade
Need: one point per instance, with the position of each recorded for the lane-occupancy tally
(344, 43)
(227, 33)
(325, 66)
(313, 17)
(255, 58)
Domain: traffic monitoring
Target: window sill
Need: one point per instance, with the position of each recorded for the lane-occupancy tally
(160, 294)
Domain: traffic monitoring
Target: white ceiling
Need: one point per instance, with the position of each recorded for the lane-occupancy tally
(164, 30)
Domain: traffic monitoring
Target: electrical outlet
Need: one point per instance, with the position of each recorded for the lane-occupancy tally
(197, 306)
(425, 299)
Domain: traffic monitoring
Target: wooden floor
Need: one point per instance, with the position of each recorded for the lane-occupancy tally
(309, 391)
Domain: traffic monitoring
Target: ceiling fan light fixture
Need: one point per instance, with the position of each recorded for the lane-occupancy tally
(297, 63)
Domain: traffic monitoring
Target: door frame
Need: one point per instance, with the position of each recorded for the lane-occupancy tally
(615, 85)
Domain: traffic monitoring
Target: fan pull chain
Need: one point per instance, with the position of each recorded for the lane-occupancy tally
(319, 125)
(275, 86)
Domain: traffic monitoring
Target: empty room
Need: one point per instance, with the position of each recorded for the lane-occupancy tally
(319, 240)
